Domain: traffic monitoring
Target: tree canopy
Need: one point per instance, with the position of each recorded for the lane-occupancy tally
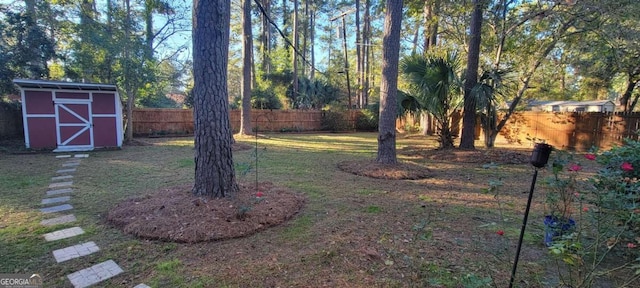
(554, 50)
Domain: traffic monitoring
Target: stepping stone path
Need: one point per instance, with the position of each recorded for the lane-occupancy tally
(58, 208)
(95, 274)
(62, 184)
(59, 220)
(59, 191)
(47, 201)
(64, 233)
(75, 251)
(58, 178)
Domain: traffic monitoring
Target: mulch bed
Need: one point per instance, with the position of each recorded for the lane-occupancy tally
(495, 155)
(174, 214)
(399, 171)
(411, 171)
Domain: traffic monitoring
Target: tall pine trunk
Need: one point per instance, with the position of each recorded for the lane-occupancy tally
(389, 83)
(245, 113)
(359, 58)
(471, 78)
(214, 170)
(128, 85)
(296, 40)
(366, 51)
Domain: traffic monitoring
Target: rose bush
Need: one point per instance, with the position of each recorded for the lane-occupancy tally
(606, 239)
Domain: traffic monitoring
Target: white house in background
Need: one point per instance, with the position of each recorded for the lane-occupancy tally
(572, 106)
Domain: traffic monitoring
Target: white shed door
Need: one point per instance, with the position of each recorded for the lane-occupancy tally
(73, 125)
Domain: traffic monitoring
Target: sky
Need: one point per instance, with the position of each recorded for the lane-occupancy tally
(181, 41)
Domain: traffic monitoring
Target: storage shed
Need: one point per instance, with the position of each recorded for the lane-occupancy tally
(70, 116)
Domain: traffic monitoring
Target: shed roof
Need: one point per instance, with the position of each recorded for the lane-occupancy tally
(46, 84)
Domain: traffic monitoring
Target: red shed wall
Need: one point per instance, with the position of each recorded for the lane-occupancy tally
(40, 119)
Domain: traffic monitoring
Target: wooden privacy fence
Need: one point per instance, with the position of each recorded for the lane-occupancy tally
(577, 131)
(158, 122)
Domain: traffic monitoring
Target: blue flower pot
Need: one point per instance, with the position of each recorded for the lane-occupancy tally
(554, 227)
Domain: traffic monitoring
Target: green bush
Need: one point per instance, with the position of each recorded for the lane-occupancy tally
(367, 120)
(607, 217)
(264, 99)
(335, 119)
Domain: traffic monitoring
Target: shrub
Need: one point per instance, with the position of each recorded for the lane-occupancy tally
(608, 218)
(367, 120)
(264, 99)
(335, 119)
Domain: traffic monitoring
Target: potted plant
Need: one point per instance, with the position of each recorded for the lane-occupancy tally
(561, 190)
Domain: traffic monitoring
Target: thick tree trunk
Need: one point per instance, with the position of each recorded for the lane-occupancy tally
(471, 78)
(389, 83)
(626, 96)
(245, 113)
(446, 139)
(214, 170)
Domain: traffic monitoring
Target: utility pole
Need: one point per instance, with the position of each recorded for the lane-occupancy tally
(344, 47)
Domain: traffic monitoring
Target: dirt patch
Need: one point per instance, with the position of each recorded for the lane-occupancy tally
(399, 171)
(174, 214)
(495, 155)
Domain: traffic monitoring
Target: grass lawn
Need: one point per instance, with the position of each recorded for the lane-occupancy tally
(353, 232)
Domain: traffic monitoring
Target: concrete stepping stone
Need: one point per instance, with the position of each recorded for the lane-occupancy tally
(60, 184)
(58, 220)
(142, 285)
(70, 170)
(59, 191)
(58, 208)
(48, 201)
(94, 274)
(63, 177)
(75, 251)
(70, 164)
(64, 233)
(63, 156)
(81, 156)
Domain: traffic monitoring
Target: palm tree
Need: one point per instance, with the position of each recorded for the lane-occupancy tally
(435, 87)
(491, 89)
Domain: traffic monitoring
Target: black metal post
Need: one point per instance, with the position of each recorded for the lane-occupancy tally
(256, 151)
(539, 158)
(524, 226)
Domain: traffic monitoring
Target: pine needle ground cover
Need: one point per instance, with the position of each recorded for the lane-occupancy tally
(443, 230)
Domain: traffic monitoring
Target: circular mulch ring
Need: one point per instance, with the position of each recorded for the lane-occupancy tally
(399, 171)
(495, 155)
(174, 214)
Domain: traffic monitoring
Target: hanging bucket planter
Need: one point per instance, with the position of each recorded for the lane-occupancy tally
(554, 227)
